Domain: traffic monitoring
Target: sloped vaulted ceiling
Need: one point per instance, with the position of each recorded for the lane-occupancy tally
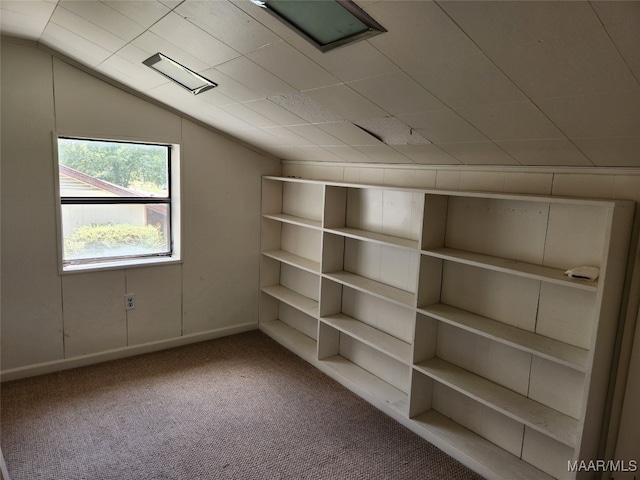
(553, 83)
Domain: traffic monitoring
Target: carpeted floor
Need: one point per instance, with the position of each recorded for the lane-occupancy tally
(239, 407)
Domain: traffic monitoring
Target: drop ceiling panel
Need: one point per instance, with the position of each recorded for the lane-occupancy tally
(25, 19)
(103, 17)
(426, 154)
(349, 133)
(194, 40)
(151, 44)
(573, 66)
(255, 77)
(305, 107)
(284, 61)
(250, 116)
(345, 102)
(383, 154)
(478, 153)
(621, 20)
(359, 60)
(397, 93)
(225, 20)
(547, 152)
(443, 126)
(86, 29)
(275, 112)
(611, 152)
(142, 12)
(510, 121)
(73, 45)
(606, 115)
(315, 135)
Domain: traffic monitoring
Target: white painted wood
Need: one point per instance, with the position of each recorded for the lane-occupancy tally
(501, 341)
(518, 407)
(158, 312)
(547, 454)
(567, 315)
(375, 237)
(380, 290)
(540, 345)
(295, 260)
(485, 457)
(506, 298)
(585, 227)
(434, 221)
(500, 228)
(298, 320)
(361, 379)
(303, 200)
(301, 241)
(381, 365)
(94, 302)
(557, 386)
(385, 316)
(295, 341)
(286, 218)
(300, 302)
(335, 207)
(513, 267)
(300, 281)
(271, 196)
(392, 266)
(480, 419)
(370, 336)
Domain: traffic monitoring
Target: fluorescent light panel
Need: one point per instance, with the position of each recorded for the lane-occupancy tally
(180, 74)
(327, 24)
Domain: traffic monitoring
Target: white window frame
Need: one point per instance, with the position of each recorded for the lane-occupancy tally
(174, 218)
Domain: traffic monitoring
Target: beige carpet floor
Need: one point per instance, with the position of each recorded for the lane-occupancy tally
(240, 407)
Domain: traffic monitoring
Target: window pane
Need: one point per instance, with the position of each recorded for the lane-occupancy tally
(91, 168)
(107, 231)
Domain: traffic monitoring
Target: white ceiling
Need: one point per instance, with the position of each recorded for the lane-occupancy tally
(552, 83)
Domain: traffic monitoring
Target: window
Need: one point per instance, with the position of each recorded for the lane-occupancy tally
(118, 203)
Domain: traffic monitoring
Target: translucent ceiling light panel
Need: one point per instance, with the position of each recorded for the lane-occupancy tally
(180, 74)
(327, 24)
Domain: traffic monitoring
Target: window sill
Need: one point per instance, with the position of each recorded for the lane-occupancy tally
(120, 264)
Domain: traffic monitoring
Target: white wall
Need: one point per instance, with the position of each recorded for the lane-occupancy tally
(623, 437)
(51, 321)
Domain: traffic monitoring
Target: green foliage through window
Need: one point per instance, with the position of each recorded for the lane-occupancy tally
(91, 241)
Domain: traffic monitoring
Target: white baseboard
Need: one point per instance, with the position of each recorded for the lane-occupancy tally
(67, 363)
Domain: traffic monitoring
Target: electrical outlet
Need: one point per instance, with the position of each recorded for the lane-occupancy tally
(130, 301)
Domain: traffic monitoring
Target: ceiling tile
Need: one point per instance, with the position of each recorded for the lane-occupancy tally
(571, 66)
(278, 114)
(392, 131)
(349, 133)
(305, 107)
(252, 117)
(442, 126)
(348, 63)
(25, 19)
(494, 24)
(345, 102)
(230, 87)
(555, 152)
(284, 61)
(621, 19)
(315, 135)
(193, 39)
(264, 18)
(418, 32)
(607, 115)
(478, 153)
(74, 46)
(611, 152)
(348, 153)
(317, 154)
(397, 93)
(134, 74)
(84, 28)
(383, 154)
(226, 21)
(143, 12)
(426, 154)
(510, 121)
(286, 136)
(150, 43)
(255, 77)
(103, 17)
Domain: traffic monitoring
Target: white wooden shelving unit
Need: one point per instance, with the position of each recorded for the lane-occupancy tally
(451, 312)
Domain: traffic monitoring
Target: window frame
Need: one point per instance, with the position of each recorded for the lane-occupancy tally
(172, 200)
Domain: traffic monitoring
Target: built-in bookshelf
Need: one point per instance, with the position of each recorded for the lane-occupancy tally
(451, 311)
